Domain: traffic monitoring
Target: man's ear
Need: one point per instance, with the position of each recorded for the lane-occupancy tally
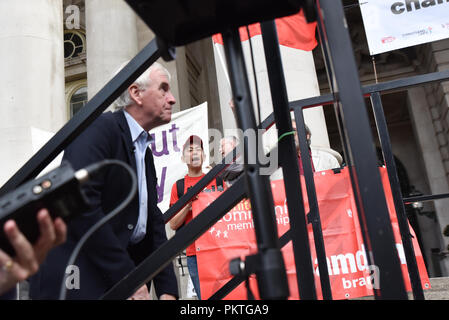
(134, 93)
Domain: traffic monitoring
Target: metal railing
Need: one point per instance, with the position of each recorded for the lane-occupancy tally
(347, 98)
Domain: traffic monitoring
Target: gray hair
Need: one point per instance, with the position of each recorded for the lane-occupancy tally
(233, 138)
(143, 82)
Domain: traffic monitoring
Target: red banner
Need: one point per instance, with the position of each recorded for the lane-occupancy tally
(350, 275)
(293, 31)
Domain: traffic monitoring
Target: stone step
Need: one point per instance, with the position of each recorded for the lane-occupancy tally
(439, 290)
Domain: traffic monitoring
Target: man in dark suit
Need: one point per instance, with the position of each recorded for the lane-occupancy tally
(115, 249)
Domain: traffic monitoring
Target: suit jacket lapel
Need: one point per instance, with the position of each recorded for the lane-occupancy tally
(126, 139)
(150, 169)
(131, 158)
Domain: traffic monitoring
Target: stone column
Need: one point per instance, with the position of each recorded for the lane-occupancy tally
(111, 35)
(300, 77)
(430, 110)
(302, 82)
(32, 78)
(422, 119)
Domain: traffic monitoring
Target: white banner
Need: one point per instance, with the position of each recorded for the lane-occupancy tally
(395, 24)
(167, 148)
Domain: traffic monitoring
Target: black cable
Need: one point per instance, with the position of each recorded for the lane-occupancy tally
(254, 74)
(91, 169)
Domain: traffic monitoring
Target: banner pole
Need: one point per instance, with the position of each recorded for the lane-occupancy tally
(362, 160)
(390, 164)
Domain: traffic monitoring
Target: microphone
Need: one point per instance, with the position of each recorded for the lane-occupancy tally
(133, 149)
(59, 191)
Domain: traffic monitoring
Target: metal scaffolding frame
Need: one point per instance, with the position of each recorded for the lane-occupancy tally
(347, 98)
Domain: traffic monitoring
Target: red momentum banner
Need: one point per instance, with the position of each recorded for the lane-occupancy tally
(350, 275)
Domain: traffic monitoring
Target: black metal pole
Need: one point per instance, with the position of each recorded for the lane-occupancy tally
(194, 190)
(84, 117)
(314, 213)
(271, 276)
(160, 258)
(289, 160)
(331, 81)
(387, 86)
(238, 279)
(365, 176)
(426, 198)
(326, 59)
(384, 138)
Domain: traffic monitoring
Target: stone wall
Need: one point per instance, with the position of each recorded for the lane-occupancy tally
(429, 105)
(434, 57)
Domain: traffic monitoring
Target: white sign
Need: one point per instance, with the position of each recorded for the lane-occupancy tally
(395, 24)
(39, 138)
(167, 148)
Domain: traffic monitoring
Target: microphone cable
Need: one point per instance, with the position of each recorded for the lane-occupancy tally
(83, 175)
